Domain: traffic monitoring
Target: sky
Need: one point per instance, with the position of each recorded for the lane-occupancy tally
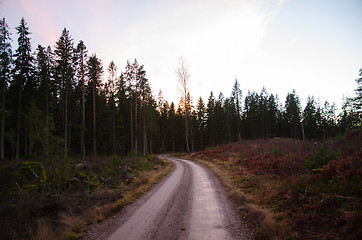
(312, 46)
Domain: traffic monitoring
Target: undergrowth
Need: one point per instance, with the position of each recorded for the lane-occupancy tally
(290, 189)
(42, 199)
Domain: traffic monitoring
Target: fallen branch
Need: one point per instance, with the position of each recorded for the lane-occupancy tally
(349, 198)
(36, 175)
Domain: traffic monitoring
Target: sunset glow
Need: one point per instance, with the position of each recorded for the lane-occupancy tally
(310, 46)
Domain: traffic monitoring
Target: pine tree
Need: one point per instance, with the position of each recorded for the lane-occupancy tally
(95, 71)
(112, 78)
(5, 70)
(81, 55)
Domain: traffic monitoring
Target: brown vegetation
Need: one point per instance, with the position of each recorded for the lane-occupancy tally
(290, 189)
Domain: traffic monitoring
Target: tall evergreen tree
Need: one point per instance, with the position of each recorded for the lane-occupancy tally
(310, 119)
(135, 80)
(112, 82)
(45, 86)
(201, 121)
(252, 115)
(273, 116)
(292, 114)
(358, 98)
(237, 96)
(23, 71)
(172, 118)
(95, 71)
(64, 51)
(211, 128)
(81, 56)
(5, 72)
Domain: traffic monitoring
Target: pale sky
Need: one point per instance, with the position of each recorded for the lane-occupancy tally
(312, 46)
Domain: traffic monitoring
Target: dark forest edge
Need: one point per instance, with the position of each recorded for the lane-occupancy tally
(54, 104)
(63, 130)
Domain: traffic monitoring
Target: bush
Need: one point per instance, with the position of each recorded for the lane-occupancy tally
(277, 152)
(321, 157)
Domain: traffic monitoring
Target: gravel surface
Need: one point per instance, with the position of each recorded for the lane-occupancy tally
(188, 204)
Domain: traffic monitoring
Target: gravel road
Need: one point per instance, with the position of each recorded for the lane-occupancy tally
(188, 204)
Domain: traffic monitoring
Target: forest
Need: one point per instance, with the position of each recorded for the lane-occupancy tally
(56, 103)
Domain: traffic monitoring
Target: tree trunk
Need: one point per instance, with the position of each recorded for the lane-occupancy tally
(173, 135)
(238, 122)
(187, 133)
(113, 125)
(130, 110)
(135, 120)
(26, 143)
(2, 122)
(66, 123)
(47, 119)
(94, 121)
(18, 126)
(144, 133)
(82, 138)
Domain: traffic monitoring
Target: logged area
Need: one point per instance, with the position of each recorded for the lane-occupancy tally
(60, 199)
(290, 189)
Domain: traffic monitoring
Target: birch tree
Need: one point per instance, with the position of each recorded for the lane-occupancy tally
(183, 78)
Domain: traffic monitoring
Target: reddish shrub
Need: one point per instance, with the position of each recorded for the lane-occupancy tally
(346, 168)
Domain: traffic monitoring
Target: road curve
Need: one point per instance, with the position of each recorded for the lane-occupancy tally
(188, 204)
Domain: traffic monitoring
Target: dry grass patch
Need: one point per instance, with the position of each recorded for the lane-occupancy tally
(260, 221)
(74, 226)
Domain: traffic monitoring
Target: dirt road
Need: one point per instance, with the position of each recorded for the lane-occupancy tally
(188, 204)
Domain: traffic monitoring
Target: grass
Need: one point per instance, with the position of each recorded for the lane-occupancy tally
(289, 189)
(131, 192)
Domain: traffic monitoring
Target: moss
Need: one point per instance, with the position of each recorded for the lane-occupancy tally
(27, 176)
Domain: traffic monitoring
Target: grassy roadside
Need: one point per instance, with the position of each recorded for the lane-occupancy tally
(64, 202)
(289, 189)
(77, 226)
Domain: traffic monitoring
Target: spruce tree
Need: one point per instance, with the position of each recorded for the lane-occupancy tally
(236, 96)
(292, 114)
(22, 72)
(45, 89)
(65, 74)
(5, 70)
